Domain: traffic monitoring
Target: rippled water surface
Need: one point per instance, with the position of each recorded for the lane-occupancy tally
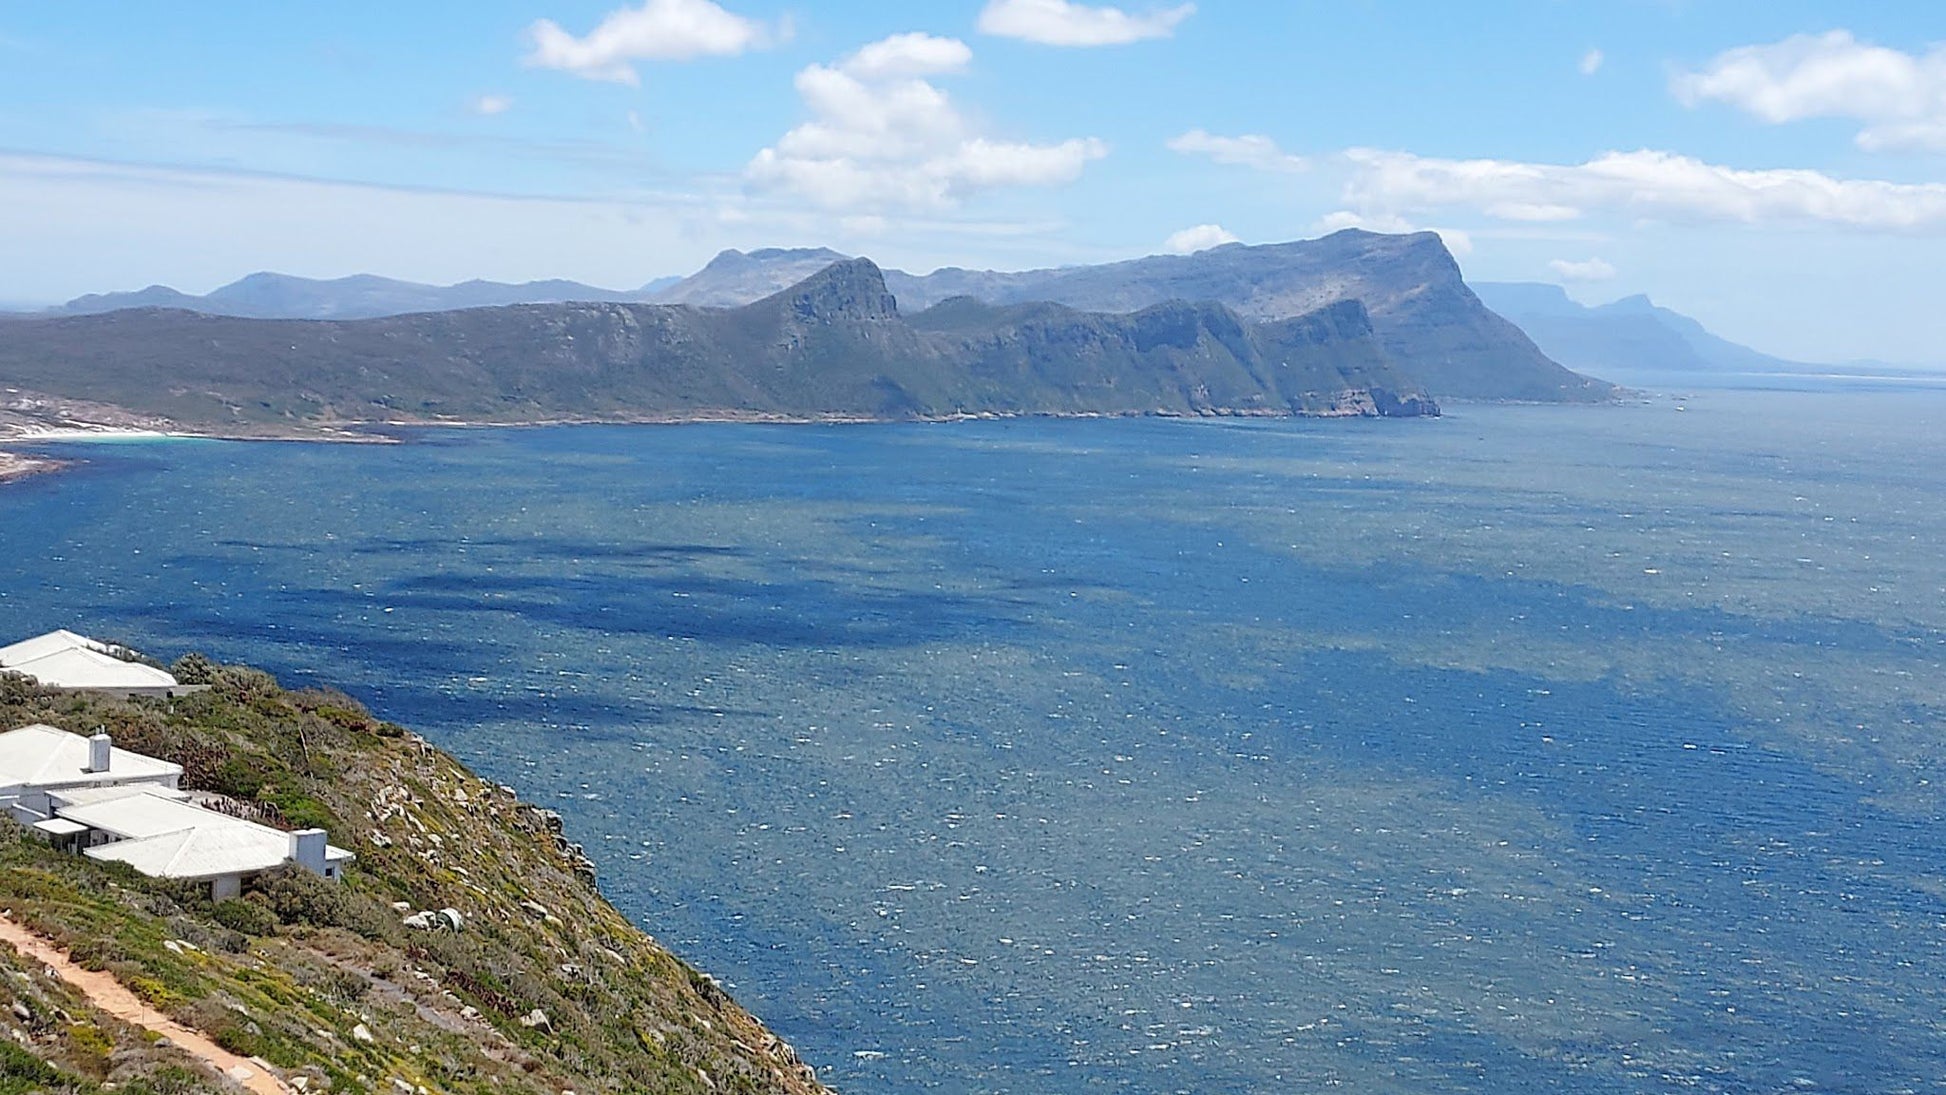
(1530, 749)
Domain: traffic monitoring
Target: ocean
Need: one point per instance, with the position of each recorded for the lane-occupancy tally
(1527, 749)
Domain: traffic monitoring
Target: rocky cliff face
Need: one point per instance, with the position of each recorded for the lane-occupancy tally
(1430, 323)
(734, 278)
(1432, 326)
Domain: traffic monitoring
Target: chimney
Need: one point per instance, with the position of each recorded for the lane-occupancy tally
(99, 747)
(307, 849)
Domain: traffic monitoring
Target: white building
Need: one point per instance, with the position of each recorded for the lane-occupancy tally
(63, 659)
(38, 760)
(85, 795)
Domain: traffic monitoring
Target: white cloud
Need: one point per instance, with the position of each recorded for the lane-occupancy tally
(1202, 237)
(1643, 184)
(1248, 150)
(1901, 97)
(659, 30)
(905, 55)
(104, 225)
(1588, 270)
(1061, 23)
(879, 134)
(488, 105)
(1591, 62)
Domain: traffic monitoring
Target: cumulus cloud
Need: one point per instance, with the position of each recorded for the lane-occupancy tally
(487, 106)
(1061, 23)
(1900, 97)
(1643, 184)
(659, 30)
(1591, 62)
(1586, 270)
(1248, 150)
(881, 134)
(1202, 237)
(904, 55)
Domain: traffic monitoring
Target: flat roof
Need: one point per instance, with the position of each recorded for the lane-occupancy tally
(60, 826)
(139, 815)
(86, 796)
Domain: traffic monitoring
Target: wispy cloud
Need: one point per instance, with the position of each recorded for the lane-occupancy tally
(1644, 184)
(1900, 97)
(102, 225)
(1591, 62)
(1202, 237)
(588, 153)
(659, 30)
(1592, 269)
(486, 106)
(1062, 23)
(880, 133)
(1248, 150)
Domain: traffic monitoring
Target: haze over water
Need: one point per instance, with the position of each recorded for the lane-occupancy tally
(1529, 749)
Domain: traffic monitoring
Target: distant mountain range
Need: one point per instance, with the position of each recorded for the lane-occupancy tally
(361, 296)
(1421, 309)
(1630, 334)
(833, 346)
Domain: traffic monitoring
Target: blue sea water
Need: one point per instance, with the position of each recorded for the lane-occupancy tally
(1530, 749)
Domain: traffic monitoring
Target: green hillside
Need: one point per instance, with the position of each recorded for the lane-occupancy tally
(546, 988)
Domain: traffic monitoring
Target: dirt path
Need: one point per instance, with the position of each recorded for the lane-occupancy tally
(106, 993)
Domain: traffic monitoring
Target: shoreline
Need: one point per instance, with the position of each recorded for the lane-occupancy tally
(16, 466)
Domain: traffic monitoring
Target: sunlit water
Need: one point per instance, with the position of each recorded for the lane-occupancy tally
(1529, 749)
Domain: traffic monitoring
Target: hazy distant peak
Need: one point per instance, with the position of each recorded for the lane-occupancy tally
(1640, 302)
(826, 254)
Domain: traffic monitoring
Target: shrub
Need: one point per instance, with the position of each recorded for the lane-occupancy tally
(248, 917)
(239, 1040)
(21, 1071)
(193, 668)
(296, 896)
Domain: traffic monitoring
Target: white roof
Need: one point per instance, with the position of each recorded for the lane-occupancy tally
(43, 756)
(82, 796)
(202, 852)
(165, 836)
(52, 642)
(86, 667)
(60, 826)
(139, 815)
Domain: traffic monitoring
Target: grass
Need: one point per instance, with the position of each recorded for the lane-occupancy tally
(323, 979)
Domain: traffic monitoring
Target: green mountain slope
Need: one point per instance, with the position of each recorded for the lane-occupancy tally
(544, 989)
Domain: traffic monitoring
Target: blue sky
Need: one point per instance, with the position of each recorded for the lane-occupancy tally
(1777, 170)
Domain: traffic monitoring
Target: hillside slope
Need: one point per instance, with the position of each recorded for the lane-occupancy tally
(835, 345)
(546, 988)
